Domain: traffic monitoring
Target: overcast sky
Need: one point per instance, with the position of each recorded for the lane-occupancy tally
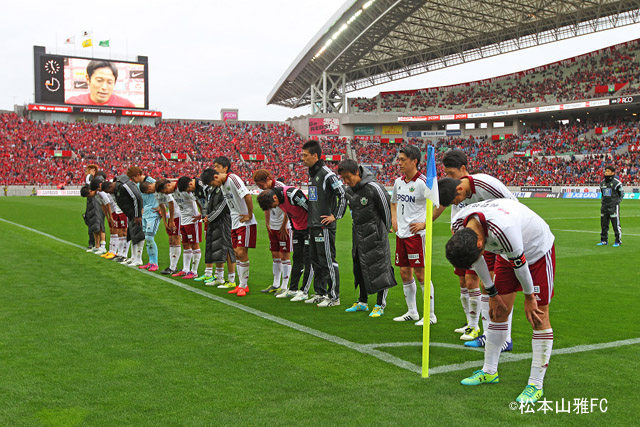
(204, 56)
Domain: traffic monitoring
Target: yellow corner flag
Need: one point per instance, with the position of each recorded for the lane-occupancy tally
(87, 43)
(433, 199)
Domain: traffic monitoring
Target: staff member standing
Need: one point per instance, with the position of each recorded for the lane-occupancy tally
(612, 193)
(370, 207)
(327, 203)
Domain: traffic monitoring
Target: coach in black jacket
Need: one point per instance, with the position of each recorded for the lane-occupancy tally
(129, 199)
(612, 193)
(370, 208)
(327, 203)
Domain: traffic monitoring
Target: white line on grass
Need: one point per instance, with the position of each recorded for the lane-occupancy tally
(368, 349)
(419, 344)
(385, 357)
(525, 356)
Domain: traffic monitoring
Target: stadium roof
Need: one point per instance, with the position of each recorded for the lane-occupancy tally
(376, 41)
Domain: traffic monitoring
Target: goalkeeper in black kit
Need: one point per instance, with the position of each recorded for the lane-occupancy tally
(612, 193)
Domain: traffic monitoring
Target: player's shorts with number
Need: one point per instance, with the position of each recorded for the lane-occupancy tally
(277, 244)
(244, 237)
(410, 251)
(543, 272)
(191, 233)
(120, 220)
(176, 231)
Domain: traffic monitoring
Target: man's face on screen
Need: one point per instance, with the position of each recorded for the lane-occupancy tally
(101, 84)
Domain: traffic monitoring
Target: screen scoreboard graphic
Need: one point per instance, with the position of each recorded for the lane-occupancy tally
(91, 82)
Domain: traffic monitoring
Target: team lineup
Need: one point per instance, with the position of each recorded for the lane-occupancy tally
(498, 246)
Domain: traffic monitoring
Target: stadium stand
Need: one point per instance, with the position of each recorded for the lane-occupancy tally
(611, 71)
(551, 155)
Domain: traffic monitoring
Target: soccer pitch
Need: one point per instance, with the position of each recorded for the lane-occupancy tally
(87, 341)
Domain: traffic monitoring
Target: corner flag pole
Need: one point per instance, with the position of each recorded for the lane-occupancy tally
(427, 291)
(432, 199)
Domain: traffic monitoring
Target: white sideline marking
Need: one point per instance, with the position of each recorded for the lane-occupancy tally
(419, 344)
(524, 356)
(592, 232)
(385, 357)
(368, 349)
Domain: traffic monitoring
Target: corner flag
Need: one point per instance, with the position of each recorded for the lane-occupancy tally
(433, 199)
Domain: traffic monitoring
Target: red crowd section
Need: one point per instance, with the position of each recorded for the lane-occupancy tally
(575, 154)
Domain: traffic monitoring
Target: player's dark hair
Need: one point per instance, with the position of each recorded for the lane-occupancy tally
(224, 162)
(313, 147)
(85, 190)
(462, 248)
(454, 159)
(96, 183)
(94, 65)
(144, 186)
(161, 184)
(207, 176)
(412, 152)
(265, 199)
(107, 186)
(183, 183)
(447, 190)
(611, 168)
(348, 165)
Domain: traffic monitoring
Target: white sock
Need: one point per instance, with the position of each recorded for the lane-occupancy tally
(496, 334)
(122, 245)
(174, 255)
(243, 272)
(541, 344)
(196, 254)
(137, 250)
(474, 307)
(231, 276)
(410, 296)
(208, 271)
(186, 260)
(113, 244)
(220, 274)
(286, 272)
(103, 245)
(510, 321)
(277, 272)
(484, 309)
(464, 300)
(431, 303)
(128, 245)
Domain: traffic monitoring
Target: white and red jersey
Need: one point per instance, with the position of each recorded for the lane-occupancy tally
(114, 206)
(103, 198)
(511, 228)
(188, 206)
(165, 199)
(234, 192)
(483, 187)
(276, 215)
(411, 200)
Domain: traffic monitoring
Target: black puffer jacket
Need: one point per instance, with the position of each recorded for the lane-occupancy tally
(219, 243)
(371, 211)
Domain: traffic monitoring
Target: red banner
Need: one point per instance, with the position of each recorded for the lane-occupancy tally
(51, 108)
(324, 126)
(253, 157)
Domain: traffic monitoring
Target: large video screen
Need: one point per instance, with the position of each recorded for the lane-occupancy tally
(91, 82)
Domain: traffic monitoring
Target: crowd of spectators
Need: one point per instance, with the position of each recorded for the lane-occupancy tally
(572, 81)
(554, 154)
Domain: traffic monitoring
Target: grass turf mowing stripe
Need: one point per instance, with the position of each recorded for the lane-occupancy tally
(361, 348)
(368, 349)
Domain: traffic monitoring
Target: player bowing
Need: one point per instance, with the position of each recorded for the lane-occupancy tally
(525, 262)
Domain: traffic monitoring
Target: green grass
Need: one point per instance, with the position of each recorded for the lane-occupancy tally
(84, 341)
